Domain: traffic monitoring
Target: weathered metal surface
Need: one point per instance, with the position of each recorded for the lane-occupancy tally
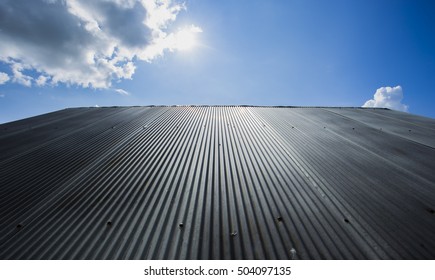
(218, 182)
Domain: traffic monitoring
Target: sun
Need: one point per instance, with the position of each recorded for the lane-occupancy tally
(186, 38)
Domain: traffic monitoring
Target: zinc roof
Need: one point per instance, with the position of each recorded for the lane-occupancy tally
(218, 182)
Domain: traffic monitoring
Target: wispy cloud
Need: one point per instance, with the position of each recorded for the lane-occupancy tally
(85, 43)
(122, 92)
(4, 78)
(388, 97)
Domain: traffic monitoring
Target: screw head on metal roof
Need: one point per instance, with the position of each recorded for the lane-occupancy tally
(293, 253)
(180, 225)
(279, 219)
(19, 226)
(234, 233)
(109, 223)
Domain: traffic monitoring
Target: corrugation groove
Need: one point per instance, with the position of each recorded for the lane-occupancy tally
(217, 182)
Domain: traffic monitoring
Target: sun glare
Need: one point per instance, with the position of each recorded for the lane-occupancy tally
(186, 38)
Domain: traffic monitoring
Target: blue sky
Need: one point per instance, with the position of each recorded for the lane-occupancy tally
(257, 52)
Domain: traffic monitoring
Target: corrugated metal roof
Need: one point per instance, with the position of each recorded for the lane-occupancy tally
(218, 182)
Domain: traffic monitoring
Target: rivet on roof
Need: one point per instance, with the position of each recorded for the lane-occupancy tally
(293, 253)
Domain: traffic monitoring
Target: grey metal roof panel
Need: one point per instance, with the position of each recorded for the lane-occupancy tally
(411, 127)
(217, 182)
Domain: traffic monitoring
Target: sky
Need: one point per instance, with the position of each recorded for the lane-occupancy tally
(57, 54)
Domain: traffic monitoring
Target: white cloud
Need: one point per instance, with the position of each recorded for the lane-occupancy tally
(41, 81)
(4, 78)
(85, 43)
(122, 92)
(19, 77)
(388, 97)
